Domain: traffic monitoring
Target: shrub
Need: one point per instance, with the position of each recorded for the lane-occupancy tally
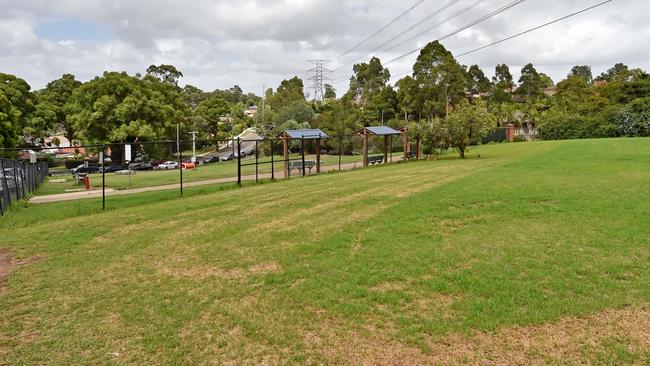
(571, 126)
(634, 120)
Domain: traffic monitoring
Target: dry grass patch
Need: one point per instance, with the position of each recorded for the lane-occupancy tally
(593, 339)
(202, 272)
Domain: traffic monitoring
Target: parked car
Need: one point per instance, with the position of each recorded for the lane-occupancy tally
(81, 169)
(111, 169)
(168, 165)
(143, 166)
(210, 160)
(227, 157)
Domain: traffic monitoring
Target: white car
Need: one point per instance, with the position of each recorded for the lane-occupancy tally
(168, 165)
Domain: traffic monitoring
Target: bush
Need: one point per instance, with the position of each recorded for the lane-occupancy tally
(564, 127)
(634, 120)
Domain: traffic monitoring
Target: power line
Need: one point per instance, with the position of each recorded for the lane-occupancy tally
(461, 12)
(535, 28)
(475, 22)
(417, 24)
(380, 30)
(524, 32)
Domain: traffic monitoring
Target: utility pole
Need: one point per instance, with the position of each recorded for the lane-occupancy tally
(318, 77)
(194, 133)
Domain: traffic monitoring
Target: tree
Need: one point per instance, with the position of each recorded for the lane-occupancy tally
(477, 82)
(466, 125)
(546, 80)
(9, 120)
(503, 84)
(211, 110)
(330, 92)
(117, 107)
(165, 73)
(582, 72)
(620, 72)
(407, 96)
(530, 82)
(368, 80)
(289, 91)
(56, 97)
(441, 79)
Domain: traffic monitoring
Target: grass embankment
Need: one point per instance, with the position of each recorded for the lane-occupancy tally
(534, 252)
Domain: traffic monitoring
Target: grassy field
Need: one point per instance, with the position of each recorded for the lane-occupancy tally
(66, 183)
(532, 253)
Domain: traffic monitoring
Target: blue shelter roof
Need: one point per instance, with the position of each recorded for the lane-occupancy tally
(307, 134)
(381, 131)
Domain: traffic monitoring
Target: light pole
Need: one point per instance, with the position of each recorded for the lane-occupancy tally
(193, 133)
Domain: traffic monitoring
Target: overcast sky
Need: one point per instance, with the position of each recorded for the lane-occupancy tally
(219, 43)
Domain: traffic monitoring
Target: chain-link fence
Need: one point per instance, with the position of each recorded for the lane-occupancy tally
(85, 179)
(18, 179)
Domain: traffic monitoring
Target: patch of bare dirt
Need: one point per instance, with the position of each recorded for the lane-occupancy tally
(7, 265)
(570, 340)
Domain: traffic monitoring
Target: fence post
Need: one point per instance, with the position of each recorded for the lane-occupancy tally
(2, 197)
(256, 161)
(16, 180)
(340, 150)
(104, 177)
(5, 188)
(238, 161)
(272, 161)
(24, 178)
(302, 148)
(180, 164)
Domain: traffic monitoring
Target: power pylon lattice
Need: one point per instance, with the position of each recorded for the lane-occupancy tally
(318, 78)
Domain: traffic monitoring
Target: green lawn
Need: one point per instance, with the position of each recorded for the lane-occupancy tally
(532, 253)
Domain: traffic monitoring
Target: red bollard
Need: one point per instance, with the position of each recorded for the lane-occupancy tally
(87, 183)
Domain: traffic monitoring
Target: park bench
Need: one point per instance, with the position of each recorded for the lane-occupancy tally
(372, 160)
(410, 155)
(309, 164)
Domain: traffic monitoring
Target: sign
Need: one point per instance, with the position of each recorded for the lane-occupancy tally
(127, 153)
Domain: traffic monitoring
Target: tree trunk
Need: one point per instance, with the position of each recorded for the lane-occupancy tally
(462, 152)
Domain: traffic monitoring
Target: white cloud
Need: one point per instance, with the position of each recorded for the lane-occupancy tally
(254, 43)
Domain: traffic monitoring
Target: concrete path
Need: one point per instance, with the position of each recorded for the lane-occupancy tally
(73, 196)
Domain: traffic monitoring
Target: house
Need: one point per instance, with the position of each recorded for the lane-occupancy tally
(551, 91)
(69, 152)
(251, 111)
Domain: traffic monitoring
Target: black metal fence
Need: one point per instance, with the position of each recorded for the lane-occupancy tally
(18, 179)
(92, 177)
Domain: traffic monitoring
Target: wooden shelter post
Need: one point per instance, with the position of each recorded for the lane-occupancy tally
(407, 147)
(365, 147)
(417, 148)
(386, 149)
(285, 142)
(318, 155)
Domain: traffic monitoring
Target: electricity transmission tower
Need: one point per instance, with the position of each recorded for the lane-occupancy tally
(318, 77)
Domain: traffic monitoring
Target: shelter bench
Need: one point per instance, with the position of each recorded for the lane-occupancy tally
(372, 160)
(309, 164)
(410, 155)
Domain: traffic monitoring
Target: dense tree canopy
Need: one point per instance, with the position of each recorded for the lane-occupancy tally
(442, 101)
